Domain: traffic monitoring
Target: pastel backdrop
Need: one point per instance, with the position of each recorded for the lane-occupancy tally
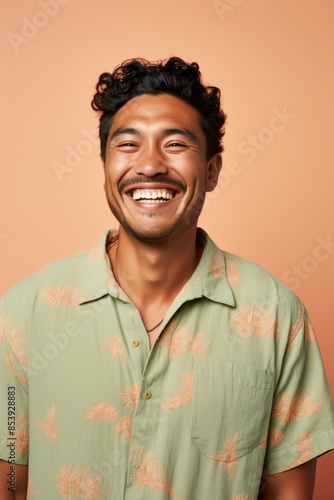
(273, 62)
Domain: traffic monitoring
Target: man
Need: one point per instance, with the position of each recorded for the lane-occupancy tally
(157, 366)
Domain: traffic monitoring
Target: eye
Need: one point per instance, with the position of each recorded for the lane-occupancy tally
(176, 145)
(127, 145)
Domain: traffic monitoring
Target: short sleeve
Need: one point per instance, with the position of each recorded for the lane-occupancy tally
(14, 420)
(302, 418)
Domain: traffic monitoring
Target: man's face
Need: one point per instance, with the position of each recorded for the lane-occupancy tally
(156, 170)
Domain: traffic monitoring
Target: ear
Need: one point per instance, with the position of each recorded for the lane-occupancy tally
(212, 171)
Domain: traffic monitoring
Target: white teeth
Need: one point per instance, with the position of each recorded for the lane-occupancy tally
(151, 196)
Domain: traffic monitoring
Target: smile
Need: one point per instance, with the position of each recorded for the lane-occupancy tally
(152, 195)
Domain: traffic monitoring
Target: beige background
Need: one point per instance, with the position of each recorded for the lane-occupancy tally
(274, 204)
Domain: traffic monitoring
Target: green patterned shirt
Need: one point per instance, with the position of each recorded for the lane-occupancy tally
(234, 384)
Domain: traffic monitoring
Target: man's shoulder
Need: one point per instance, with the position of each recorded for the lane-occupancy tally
(57, 270)
(252, 283)
(75, 270)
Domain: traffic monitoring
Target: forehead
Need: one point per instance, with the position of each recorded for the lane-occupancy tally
(157, 109)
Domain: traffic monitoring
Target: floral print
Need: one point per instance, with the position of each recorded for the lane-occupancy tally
(110, 418)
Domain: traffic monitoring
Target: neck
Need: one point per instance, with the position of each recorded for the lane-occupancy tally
(151, 275)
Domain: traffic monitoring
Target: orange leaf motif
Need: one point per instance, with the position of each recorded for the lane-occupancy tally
(275, 436)
(6, 324)
(103, 412)
(115, 348)
(310, 408)
(61, 295)
(49, 427)
(176, 338)
(217, 267)
(288, 408)
(304, 448)
(228, 457)
(294, 330)
(22, 433)
(184, 397)
(130, 395)
(263, 442)
(148, 473)
(73, 482)
(197, 347)
(17, 344)
(124, 428)
(254, 321)
(9, 362)
(233, 275)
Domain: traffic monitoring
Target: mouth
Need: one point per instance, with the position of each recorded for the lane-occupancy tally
(152, 196)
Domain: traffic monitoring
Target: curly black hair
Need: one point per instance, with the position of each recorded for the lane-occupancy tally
(173, 76)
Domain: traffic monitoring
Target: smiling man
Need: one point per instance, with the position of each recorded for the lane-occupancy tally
(156, 365)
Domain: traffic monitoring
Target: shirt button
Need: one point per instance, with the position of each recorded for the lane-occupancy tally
(147, 394)
(135, 343)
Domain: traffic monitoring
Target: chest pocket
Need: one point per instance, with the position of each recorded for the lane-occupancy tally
(231, 408)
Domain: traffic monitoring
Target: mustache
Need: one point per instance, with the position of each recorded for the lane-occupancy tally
(123, 184)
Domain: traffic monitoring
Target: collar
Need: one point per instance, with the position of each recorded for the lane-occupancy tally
(209, 278)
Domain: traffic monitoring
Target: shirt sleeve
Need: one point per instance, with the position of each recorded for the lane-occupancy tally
(302, 419)
(14, 420)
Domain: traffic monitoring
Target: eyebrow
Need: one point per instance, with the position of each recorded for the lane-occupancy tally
(167, 132)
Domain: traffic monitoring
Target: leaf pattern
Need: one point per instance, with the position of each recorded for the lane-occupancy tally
(124, 428)
(185, 396)
(22, 433)
(49, 427)
(294, 330)
(78, 482)
(6, 324)
(176, 339)
(61, 295)
(17, 344)
(197, 347)
(217, 267)
(130, 395)
(103, 412)
(304, 449)
(254, 321)
(275, 436)
(9, 362)
(115, 348)
(228, 457)
(148, 473)
(233, 275)
(289, 408)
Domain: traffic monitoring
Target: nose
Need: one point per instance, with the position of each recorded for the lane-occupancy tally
(151, 161)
